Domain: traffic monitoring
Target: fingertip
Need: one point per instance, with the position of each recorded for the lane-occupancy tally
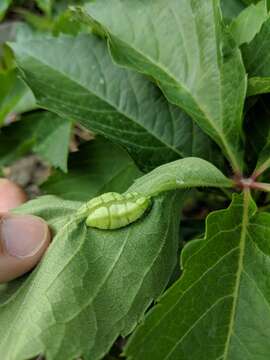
(11, 195)
(24, 239)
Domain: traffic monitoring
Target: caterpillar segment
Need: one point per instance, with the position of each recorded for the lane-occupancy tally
(114, 211)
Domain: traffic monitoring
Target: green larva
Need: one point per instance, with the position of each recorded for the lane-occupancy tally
(114, 211)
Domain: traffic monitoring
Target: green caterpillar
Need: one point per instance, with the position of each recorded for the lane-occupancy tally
(114, 211)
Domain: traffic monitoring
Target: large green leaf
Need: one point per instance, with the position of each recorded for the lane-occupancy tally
(98, 167)
(91, 286)
(117, 103)
(219, 309)
(180, 174)
(257, 61)
(45, 133)
(184, 46)
(249, 22)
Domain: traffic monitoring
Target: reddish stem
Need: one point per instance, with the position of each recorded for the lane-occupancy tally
(250, 183)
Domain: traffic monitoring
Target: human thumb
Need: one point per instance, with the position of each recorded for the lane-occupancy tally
(23, 240)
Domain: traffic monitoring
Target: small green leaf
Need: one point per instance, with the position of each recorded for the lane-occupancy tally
(264, 159)
(231, 8)
(199, 69)
(98, 167)
(45, 5)
(180, 174)
(258, 131)
(7, 33)
(53, 137)
(4, 5)
(38, 22)
(75, 296)
(258, 85)
(249, 22)
(114, 102)
(66, 24)
(257, 62)
(219, 309)
(12, 92)
(45, 133)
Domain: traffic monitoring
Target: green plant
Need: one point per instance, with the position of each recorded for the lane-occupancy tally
(176, 95)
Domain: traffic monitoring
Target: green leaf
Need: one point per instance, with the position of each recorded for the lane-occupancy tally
(114, 102)
(15, 96)
(7, 33)
(219, 309)
(53, 137)
(75, 296)
(199, 69)
(263, 137)
(98, 167)
(4, 5)
(66, 24)
(258, 135)
(12, 92)
(180, 174)
(231, 8)
(258, 85)
(45, 5)
(257, 130)
(38, 22)
(249, 22)
(249, 2)
(45, 133)
(264, 159)
(257, 62)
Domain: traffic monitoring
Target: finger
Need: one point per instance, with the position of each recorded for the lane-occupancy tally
(11, 195)
(23, 240)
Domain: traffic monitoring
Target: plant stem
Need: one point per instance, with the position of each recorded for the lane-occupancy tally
(261, 186)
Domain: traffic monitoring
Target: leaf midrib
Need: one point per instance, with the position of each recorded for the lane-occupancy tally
(242, 246)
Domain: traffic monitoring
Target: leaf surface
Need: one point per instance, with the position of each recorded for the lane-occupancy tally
(75, 296)
(219, 309)
(4, 7)
(257, 61)
(53, 136)
(180, 174)
(231, 8)
(76, 78)
(45, 5)
(12, 92)
(258, 135)
(98, 167)
(199, 69)
(249, 22)
(45, 133)
(257, 130)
